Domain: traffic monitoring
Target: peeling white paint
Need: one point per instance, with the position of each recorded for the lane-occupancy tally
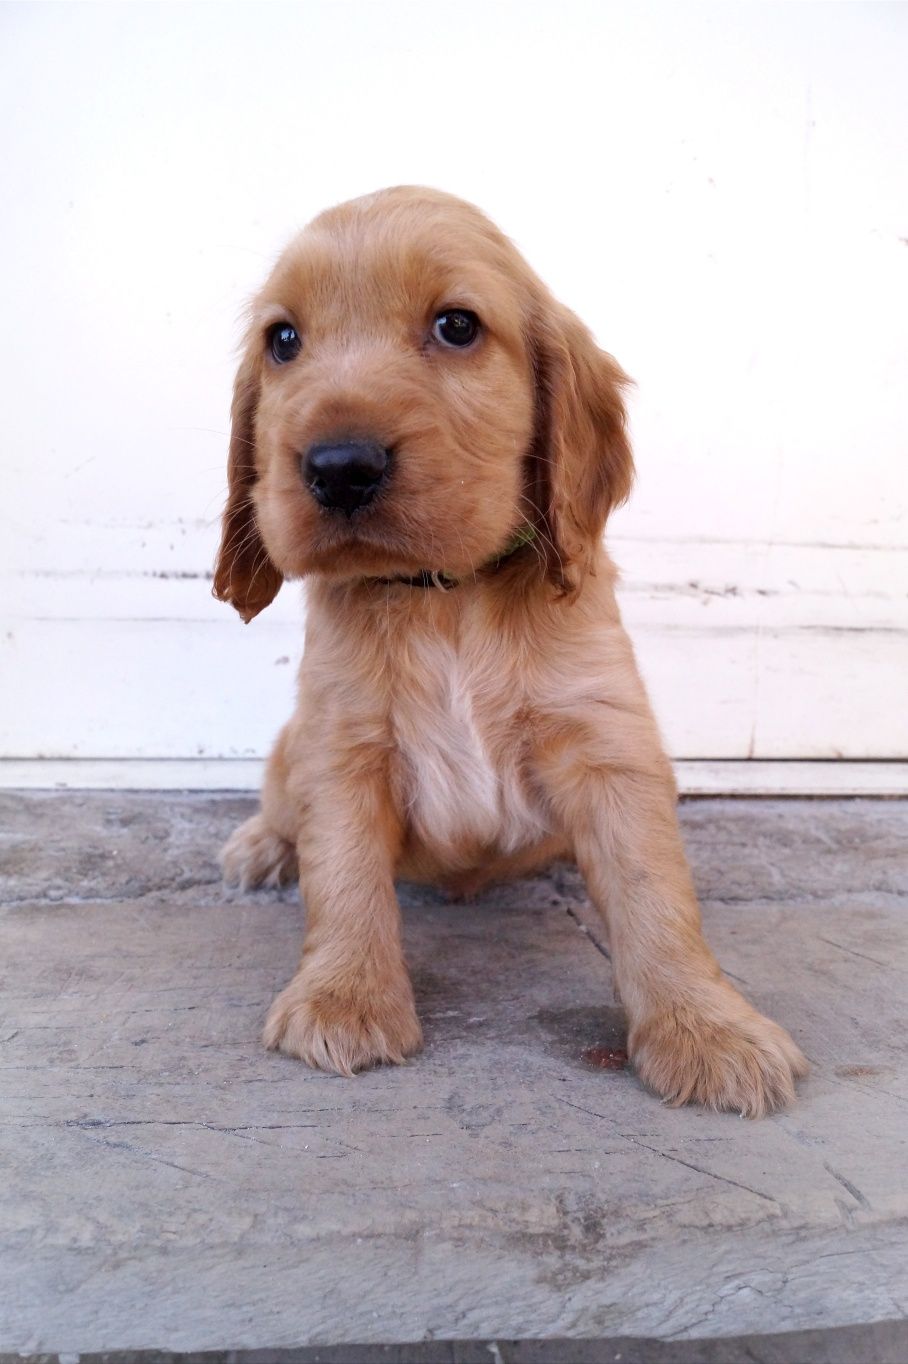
(717, 190)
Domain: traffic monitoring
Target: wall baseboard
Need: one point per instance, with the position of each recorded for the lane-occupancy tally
(788, 777)
(700, 777)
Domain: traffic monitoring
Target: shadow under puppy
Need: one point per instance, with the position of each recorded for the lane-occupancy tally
(424, 433)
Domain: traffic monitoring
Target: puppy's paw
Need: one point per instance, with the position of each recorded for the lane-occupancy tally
(344, 1030)
(254, 855)
(727, 1057)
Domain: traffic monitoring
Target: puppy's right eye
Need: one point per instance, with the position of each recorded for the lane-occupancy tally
(284, 342)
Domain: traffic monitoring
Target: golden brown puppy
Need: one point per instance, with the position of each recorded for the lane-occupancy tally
(427, 436)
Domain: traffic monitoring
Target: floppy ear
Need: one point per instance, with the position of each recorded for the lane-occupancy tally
(244, 574)
(581, 463)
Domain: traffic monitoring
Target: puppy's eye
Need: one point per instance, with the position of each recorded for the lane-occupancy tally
(284, 342)
(457, 327)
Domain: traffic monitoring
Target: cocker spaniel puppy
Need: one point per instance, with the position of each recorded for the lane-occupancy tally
(428, 437)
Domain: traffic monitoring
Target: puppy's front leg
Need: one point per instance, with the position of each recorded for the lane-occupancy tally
(692, 1036)
(350, 1004)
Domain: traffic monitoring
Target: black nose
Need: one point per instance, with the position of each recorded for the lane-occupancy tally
(346, 475)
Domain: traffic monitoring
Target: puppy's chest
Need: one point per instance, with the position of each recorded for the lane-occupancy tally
(462, 752)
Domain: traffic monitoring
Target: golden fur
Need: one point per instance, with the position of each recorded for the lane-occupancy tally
(468, 734)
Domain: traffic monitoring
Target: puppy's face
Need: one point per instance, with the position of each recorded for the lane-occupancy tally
(398, 402)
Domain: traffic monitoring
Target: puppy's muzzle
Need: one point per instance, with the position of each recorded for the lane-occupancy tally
(345, 476)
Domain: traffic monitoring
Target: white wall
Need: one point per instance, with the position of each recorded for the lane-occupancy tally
(719, 190)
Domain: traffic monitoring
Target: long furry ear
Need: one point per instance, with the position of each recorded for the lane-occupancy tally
(244, 574)
(581, 464)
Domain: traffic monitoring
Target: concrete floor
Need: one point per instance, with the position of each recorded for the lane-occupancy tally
(172, 1187)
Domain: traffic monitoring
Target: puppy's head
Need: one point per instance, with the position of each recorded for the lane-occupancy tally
(410, 398)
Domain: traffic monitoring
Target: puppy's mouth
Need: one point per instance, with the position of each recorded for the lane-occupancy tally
(359, 542)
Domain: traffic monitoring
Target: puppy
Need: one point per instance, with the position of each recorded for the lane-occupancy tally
(421, 431)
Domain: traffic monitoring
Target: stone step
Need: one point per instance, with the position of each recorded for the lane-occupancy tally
(173, 1187)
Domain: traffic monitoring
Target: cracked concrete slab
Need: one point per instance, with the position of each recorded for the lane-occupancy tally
(171, 1186)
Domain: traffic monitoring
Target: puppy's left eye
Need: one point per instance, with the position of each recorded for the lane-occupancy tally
(456, 327)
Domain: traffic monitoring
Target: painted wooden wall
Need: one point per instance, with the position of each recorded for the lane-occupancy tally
(719, 190)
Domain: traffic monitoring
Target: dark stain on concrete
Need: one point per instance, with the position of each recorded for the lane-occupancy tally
(572, 1034)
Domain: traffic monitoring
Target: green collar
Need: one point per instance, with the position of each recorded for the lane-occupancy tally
(426, 578)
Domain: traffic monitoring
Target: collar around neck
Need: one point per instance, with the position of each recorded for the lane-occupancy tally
(444, 582)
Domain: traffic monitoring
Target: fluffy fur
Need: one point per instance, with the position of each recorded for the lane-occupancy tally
(468, 734)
